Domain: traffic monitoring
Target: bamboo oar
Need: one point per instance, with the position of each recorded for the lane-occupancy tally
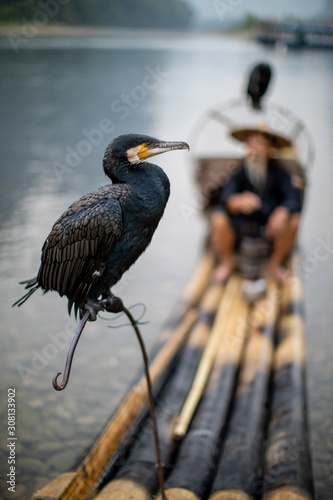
(138, 474)
(192, 472)
(77, 485)
(208, 357)
(288, 472)
(240, 460)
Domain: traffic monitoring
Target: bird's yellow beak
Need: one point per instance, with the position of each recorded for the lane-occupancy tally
(144, 151)
(162, 147)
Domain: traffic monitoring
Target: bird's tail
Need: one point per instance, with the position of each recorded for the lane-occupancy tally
(32, 285)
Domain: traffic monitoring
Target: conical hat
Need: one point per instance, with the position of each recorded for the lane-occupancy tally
(243, 133)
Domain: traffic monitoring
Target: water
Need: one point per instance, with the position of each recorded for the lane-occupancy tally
(57, 93)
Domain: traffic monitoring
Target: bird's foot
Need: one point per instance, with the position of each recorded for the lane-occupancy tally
(93, 307)
(113, 304)
(108, 303)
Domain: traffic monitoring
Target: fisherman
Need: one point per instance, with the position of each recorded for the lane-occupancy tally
(260, 193)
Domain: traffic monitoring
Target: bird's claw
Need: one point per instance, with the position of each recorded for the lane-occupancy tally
(110, 304)
(93, 307)
(114, 304)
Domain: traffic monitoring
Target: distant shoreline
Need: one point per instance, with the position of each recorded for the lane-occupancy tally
(94, 31)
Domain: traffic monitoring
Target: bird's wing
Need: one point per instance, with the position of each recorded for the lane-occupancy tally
(80, 241)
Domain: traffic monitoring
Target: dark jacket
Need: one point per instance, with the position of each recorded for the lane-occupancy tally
(278, 190)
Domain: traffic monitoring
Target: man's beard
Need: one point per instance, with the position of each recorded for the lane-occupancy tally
(256, 170)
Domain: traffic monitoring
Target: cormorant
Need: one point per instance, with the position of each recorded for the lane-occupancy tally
(258, 84)
(103, 233)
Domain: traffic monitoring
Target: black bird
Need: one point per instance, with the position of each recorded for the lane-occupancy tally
(258, 83)
(103, 233)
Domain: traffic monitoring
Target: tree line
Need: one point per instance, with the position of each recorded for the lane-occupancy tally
(168, 14)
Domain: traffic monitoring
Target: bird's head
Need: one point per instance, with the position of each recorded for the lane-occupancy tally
(127, 151)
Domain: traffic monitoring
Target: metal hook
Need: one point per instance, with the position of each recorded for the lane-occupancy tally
(70, 356)
(159, 465)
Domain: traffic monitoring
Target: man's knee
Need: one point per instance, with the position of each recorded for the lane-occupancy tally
(220, 221)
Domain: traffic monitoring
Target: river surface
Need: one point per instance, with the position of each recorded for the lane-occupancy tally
(62, 101)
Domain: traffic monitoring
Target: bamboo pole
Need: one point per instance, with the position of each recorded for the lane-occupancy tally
(239, 466)
(230, 495)
(207, 361)
(54, 489)
(124, 489)
(181, 494)
(192, 471)
(288, 493)
(139, 468)
(288, 471)
(78, 485)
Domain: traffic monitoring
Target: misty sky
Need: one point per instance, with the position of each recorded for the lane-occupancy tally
(304, 9)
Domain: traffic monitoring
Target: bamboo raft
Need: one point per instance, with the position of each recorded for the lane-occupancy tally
(229, 380)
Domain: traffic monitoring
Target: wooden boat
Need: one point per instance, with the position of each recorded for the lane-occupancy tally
(230, 391)
(297, 35)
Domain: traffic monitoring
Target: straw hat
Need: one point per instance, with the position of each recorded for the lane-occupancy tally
(278, 141)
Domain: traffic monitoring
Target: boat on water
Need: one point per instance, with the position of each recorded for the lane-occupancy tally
(297, 35)
(229, 378)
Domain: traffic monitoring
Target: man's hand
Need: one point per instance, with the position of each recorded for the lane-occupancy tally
(243, 203)
(278, 222)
